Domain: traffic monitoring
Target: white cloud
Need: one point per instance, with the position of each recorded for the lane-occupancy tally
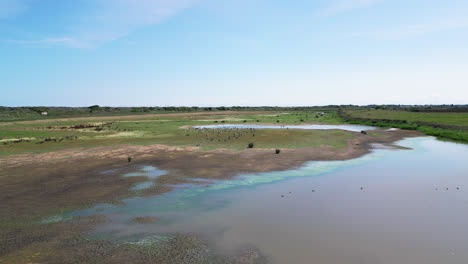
(113, 19)
(340, 6)
(11, 8)
(70, 42)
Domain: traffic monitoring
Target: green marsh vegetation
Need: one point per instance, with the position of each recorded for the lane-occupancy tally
(444, 125)
(52, 134)
(143, 128)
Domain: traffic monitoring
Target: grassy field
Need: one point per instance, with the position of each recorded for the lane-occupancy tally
(459, 119)
(53, 135)
(446, 126)
(46, 135)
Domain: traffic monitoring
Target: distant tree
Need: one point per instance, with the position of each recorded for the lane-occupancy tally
(94, 108)
(38, 109)
(277, 151)
(251, 145)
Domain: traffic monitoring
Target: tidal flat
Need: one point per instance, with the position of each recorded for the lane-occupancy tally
(197, 194)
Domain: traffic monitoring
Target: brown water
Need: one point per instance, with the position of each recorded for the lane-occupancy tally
(403, 213)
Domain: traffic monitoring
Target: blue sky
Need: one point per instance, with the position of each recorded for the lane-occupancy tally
(233, 52)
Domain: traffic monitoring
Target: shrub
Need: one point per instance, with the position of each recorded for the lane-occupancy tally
(251, 145)
(277, 121)
(277, 151)
(363, 132)
(244, 121)
(129, 159)
(94, 108)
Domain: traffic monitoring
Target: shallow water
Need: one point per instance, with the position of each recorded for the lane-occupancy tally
(152, 173)
(391, 206)
(355, 128)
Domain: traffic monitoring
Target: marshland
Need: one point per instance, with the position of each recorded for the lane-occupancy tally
(188, 187)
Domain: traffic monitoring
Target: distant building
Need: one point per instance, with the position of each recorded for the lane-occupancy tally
(44, 113)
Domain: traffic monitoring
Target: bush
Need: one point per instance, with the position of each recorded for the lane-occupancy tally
(94, 108)
(277, 151)
(251, 145)
(129, 159)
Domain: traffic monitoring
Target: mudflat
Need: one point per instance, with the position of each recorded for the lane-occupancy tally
(34, 186)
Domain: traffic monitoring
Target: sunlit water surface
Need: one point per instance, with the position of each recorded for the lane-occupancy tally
(391, 206)
(355, 128)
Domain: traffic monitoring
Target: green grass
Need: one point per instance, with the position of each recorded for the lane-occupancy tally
(167, 130)
(446, 126)
(460, 119)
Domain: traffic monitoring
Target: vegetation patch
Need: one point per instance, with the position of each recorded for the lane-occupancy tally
(443, 125)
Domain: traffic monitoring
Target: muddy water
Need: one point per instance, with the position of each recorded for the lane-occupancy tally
(355, 128)
(391, 206)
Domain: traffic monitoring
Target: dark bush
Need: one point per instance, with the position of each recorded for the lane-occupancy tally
(129, 159)
(251, 145)
(277, 151)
